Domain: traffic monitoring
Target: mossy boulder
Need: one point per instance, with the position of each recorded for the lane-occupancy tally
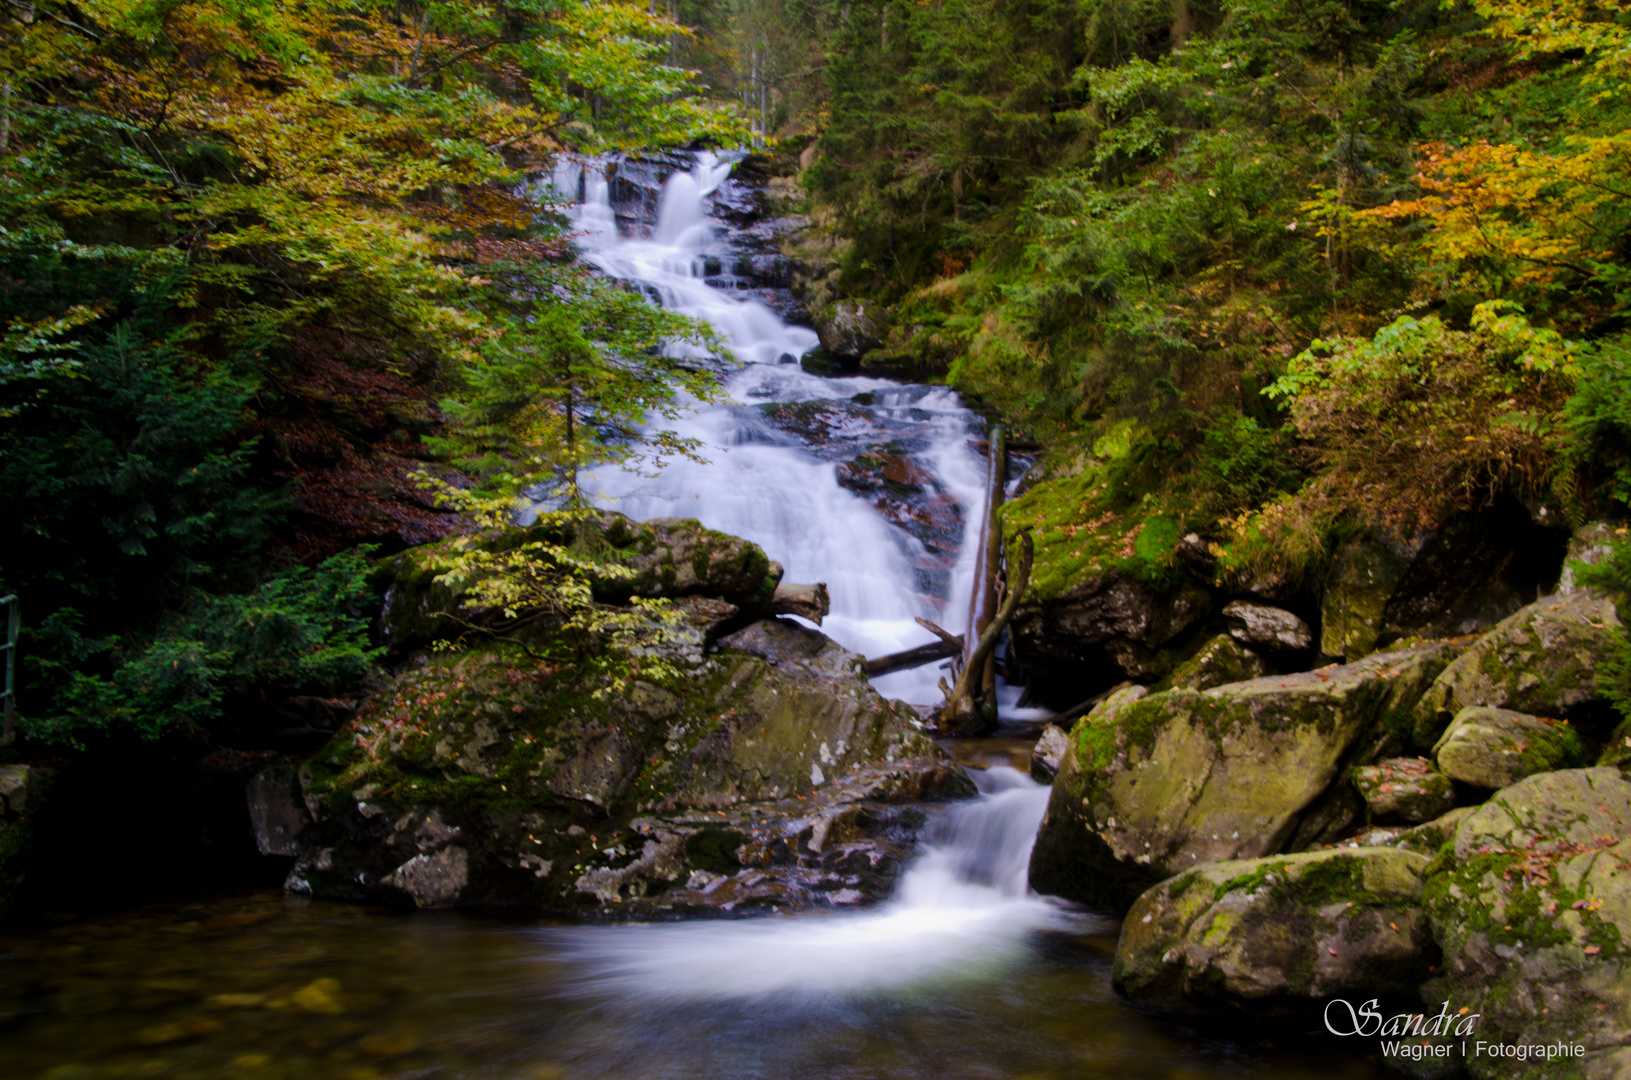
(1151, 787)
(23, 790)
(1273, 931)
(851, 328)
(1532, 909)
(1404, 790)
(1541, 660)
(668, 557)
(1492, 748)
(1365, 569)
(1221, 660)
(486, 778)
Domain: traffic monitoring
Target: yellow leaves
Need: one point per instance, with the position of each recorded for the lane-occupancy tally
(1523, 217)
(1557, 26)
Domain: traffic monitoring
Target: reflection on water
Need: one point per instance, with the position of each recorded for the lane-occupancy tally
(268, 987)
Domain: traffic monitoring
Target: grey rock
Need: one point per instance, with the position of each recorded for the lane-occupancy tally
(1267, 627)
(1405, 790)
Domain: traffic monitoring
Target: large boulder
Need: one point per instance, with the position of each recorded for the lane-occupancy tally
(1533, 913)
(769, 778)
(22, 791)
(1151, 787)
(1271, 931)
(1492, 748)
(1541, 660)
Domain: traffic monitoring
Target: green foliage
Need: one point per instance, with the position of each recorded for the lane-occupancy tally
(570, 381)
(1597, 428)
(544, 592)
(304, 629)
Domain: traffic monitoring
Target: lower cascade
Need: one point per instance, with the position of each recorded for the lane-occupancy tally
(962, 912)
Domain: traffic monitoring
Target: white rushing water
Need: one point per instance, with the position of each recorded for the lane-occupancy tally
(962, 912)
(761, 482)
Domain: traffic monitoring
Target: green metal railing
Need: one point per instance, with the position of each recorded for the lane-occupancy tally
(14, 626)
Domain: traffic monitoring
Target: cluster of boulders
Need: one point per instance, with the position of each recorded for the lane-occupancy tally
(1444, 820)
(768, 775)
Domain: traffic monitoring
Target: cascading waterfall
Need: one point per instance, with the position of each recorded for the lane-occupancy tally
(963, 910)
(763, 483)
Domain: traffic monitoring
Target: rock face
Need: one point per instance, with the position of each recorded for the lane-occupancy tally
(1221, 660)
(1492, 748)
(277, 810)
(1404, 790)
(1533, 914)
(769, 776)
(1466, 575)
(1267, 627)
(1265, 931)
(1541, 660)
(1155, 786)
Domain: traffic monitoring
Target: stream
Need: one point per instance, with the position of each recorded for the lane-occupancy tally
(862, 483)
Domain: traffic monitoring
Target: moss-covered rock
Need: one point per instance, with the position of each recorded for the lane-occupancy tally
(668, 557)
(1492, 748)
(1541, 660)
(1221, 660)
(1404, 789)
(1365, 568)
(1267, 931)
(1151, 787)
(484, 778)
(1532, 908)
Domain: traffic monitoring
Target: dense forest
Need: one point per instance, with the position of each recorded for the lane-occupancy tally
(280, 294)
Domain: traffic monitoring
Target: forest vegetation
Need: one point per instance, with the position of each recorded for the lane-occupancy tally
(278, 292)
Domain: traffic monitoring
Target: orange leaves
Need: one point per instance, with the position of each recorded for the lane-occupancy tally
(1517, 218)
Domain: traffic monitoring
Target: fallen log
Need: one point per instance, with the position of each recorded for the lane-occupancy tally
(910, 658)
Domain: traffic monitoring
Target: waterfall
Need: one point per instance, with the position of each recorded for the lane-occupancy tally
(961, 912)
(768, 485)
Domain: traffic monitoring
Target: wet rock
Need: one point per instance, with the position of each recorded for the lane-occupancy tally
(277, 810)
(488, 778)
(1154, 786)
(22, 791)
(1541, 660)
(851, 328)
(1048, 752)
(1268, 932)
(1493, 748)
(1221, 660)
(1267, 627)
(1532, 913)
(1404, 789)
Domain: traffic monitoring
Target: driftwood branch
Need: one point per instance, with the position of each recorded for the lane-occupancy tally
(910, 658)
(960, 701)
(939, 632)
